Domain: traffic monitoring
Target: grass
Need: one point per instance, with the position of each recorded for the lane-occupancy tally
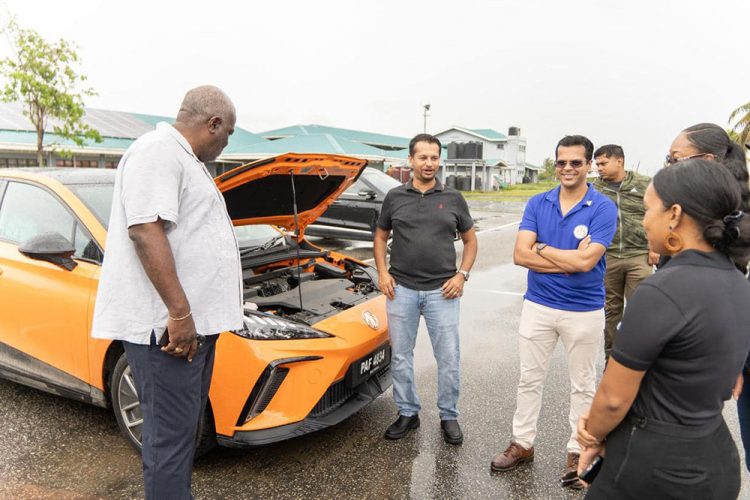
(518, 192)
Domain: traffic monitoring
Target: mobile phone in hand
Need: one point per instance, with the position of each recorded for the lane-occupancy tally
(569, 479)
(164, 339)
(589, 473)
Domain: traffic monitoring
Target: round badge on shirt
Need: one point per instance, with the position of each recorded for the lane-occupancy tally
(580, 232)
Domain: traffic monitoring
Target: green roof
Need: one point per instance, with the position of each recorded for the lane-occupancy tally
(118, 130)
(152, 119)
(313, 143)
(352, 135)
(25, 138)
(493, 162)
(238, 141)
(488, 133)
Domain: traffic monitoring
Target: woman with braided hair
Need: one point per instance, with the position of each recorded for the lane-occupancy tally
(711, 142)
(681, 345)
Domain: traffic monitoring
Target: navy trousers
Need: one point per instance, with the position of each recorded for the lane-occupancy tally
(173, 394)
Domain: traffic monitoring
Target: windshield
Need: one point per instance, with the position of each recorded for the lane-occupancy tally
(97, 198)
(255, 235)
(382, 181)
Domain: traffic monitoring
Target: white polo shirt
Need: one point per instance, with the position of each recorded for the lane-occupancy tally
(160, 177)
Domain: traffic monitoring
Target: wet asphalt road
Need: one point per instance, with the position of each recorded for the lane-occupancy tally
(55, 448)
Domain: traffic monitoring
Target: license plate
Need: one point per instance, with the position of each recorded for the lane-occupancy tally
(363, 368)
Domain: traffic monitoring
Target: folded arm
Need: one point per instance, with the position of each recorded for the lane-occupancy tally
(524, 254)
(580, 260)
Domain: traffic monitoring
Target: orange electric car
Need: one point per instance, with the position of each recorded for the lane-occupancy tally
(314, 349)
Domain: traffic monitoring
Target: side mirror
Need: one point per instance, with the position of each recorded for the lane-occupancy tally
(368, 194)
(50, 247)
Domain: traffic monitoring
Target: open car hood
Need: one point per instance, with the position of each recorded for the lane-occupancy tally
(261, 192)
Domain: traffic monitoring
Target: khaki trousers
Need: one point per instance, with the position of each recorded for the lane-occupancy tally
(539, 330)
(620, 281)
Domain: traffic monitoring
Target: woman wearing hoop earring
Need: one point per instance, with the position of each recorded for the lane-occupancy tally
(681, 344)
(673, 242)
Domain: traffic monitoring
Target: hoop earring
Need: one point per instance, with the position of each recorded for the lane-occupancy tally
(673, 242)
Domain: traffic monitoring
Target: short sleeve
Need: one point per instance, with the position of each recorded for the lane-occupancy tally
(604, 223)
(151, 180)
(528, 221)
(384, 219)
(650, 321)
(465, 222)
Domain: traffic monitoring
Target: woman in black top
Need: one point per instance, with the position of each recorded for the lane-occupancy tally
(711, 142)
(681, 346)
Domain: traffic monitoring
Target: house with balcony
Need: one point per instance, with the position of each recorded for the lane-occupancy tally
(485, 159)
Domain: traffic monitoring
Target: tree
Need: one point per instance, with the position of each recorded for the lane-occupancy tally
(742, 125)
(42, 76)
(549, 170)
(734, 136)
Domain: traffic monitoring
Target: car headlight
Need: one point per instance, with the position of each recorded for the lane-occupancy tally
(267, 327)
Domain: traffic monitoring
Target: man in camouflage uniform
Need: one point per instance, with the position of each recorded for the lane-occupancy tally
(628, 259)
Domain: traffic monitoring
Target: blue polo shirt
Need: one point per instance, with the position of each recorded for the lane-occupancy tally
(596, 215)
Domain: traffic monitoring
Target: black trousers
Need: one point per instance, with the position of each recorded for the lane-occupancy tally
(655, 460)
(173, 394)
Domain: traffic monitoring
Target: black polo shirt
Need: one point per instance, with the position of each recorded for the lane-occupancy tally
(423, 255)
(688, 327)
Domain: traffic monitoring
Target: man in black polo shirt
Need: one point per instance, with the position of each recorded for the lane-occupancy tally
(424, 216)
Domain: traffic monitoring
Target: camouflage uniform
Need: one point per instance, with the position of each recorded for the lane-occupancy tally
(627, 256)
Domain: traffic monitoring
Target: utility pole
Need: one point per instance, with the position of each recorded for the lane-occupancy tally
(426, 109)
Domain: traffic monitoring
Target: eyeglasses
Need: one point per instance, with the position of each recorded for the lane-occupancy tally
(671, 160)
(572, 163)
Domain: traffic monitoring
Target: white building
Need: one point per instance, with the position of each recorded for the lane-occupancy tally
(487, 156)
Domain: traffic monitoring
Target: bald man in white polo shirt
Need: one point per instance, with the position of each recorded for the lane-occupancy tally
(171, 276)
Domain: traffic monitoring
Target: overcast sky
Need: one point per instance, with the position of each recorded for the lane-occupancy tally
(633, 73)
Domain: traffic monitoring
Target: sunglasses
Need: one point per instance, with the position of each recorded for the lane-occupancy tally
(671, 160)
(572, 163)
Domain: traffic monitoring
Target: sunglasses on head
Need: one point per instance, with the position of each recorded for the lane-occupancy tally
(671, 160)
(572, 163)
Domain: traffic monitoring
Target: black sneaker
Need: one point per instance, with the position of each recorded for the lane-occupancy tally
(401, 427)
(452, 432)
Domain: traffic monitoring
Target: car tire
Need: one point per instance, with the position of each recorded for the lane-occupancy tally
(127, 410)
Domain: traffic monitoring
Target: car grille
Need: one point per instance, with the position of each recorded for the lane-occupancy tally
(335, 396)
(338, 394)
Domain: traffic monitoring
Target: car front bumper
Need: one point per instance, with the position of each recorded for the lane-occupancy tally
(337, 404)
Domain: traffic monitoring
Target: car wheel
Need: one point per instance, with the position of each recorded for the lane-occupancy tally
(127, 410)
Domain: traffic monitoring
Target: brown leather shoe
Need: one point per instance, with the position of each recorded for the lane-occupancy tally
(511, 458)
(568, 479)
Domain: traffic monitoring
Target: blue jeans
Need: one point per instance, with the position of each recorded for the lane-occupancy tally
(441, 317)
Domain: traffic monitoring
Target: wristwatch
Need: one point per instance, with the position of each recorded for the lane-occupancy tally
(540, 247)
(465, 274)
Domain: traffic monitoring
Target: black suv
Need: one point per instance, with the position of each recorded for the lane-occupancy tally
(355, 212)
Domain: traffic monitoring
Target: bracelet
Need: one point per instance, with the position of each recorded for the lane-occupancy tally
(181, 318)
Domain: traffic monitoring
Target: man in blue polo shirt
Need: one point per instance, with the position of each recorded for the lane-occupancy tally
(562, 240)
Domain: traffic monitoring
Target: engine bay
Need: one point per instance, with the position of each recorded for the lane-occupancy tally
(317, 289)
